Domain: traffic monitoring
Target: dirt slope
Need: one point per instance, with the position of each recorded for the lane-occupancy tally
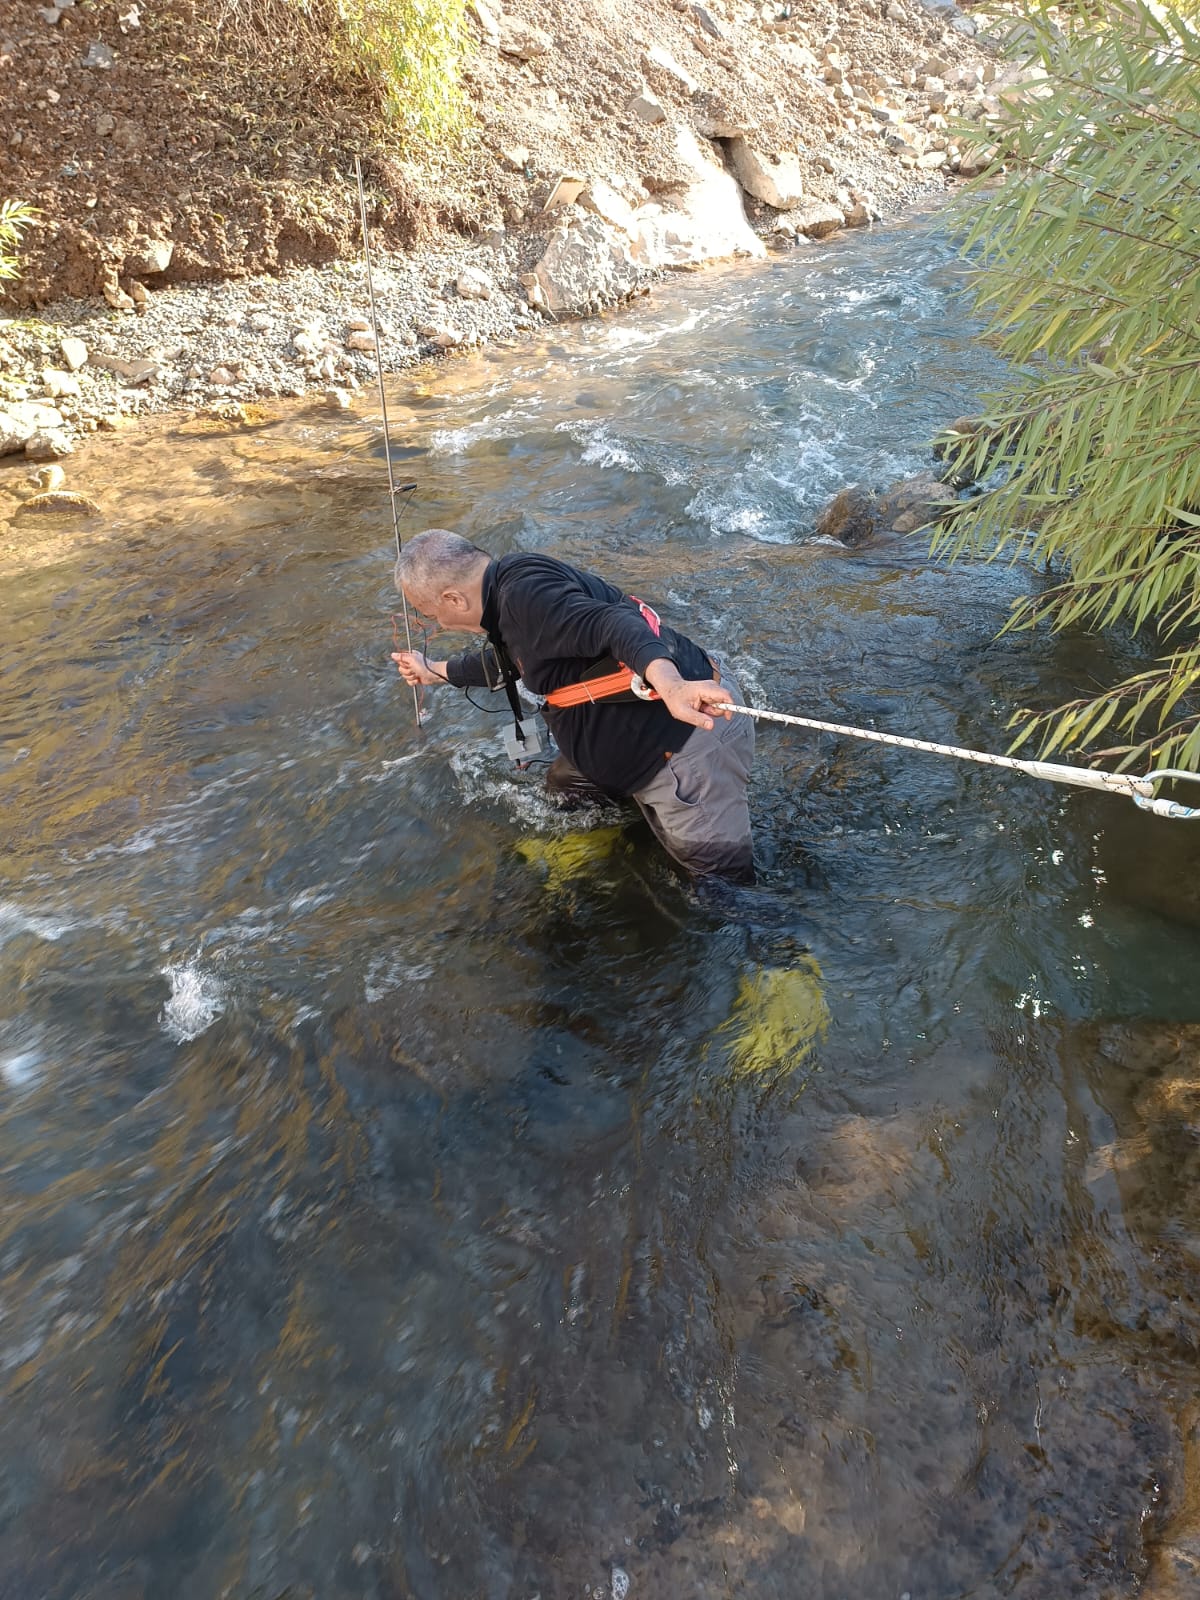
(129, 125)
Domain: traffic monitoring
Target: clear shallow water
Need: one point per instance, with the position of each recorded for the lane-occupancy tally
(391, 1201)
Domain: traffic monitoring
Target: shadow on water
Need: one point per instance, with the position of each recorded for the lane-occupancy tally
(408, 1191)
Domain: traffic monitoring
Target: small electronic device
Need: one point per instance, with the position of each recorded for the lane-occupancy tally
(534, 739)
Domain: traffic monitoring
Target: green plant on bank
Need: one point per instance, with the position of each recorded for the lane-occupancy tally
(1088, 263)
(406, 56)
(16, 217)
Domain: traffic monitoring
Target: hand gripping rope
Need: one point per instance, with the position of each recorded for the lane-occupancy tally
(1140, 790)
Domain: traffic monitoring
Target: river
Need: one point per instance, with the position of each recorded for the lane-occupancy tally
(408, 1192)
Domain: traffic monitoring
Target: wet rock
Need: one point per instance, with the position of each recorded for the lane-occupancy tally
(774, 179)
(603, 199)
(51, 499)
(850, 517)
(818, 219)
(913, 503)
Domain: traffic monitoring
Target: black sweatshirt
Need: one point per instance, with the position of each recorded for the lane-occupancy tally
(558, 624)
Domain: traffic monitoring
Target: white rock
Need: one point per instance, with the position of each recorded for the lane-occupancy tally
(646, 108)
(130, 21)
(59, 383)
(932, 159)
(33, 415)
(604, 200)
(776, 180)
(74, 353)
(474, 284)
(703, 220)
(99, 55)
(442, 334)
(522, 39)
(359, 339)
(564, 191)
(222, 376)
(338, 399)
(48, 444)
(13, 433)
(660, 60)
(515, 157)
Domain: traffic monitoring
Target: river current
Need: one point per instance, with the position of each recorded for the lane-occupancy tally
(406, 1191)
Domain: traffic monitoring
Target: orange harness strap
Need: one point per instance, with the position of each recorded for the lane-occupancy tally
(612, 683)
(579, 694)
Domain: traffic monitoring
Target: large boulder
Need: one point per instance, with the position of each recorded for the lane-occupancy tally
(776, 179)
(586, 265)
(913, 503)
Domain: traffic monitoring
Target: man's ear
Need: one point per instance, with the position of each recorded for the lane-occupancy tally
(455, 598)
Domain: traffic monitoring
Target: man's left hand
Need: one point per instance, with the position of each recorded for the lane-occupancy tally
(692, 700)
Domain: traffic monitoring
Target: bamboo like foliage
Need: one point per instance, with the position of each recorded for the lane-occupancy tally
(1088, 260)
(15, 217)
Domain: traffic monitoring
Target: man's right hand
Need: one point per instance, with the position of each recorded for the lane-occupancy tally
(416, 668)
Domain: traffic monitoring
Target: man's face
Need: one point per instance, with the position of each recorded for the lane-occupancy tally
(451, 610)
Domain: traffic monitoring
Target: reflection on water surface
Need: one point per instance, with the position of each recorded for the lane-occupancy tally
(403, 1193)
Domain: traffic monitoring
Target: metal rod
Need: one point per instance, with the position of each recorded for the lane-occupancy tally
(387, 437)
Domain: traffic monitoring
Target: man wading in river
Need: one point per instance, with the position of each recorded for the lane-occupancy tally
(580, 643)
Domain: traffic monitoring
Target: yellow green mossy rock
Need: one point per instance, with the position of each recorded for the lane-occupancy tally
(570, 856)
(778, 1016)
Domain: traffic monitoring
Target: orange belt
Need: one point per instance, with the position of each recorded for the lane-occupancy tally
(592, 689)
(603, 688)
(580, 694)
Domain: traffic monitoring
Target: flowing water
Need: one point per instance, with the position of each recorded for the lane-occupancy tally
(405, 1191)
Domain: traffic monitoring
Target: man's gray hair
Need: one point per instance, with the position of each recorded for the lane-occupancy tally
(437, 560)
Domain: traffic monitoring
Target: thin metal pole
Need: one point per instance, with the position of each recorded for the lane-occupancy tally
(387, 437)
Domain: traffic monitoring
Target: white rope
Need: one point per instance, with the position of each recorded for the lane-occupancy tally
(1140, 790)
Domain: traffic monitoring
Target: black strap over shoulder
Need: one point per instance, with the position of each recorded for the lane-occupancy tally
(509, 675)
